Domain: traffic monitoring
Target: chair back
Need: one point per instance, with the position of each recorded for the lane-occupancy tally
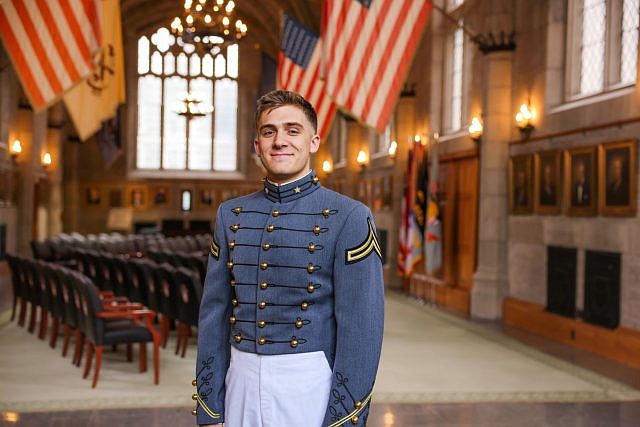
(189, 296)
(168, 287)
(90, 304)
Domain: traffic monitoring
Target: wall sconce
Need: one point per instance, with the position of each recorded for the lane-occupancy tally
(475, 129)
(393, 148)
(46, 160)
(362, 158)
(523, 120)
(16, 149)
(327, 167)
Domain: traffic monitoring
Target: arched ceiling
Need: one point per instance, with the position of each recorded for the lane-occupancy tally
(263, 17)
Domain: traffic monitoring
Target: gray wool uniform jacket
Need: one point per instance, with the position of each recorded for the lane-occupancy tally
(294, 268)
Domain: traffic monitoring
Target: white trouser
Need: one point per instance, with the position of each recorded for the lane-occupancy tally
(284, 390)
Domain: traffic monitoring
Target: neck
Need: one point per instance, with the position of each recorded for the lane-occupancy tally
(276, 181)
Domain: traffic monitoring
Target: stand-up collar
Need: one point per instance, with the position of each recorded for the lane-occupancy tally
(292, 190)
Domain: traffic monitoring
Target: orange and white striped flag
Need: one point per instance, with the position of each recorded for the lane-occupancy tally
(51, 43)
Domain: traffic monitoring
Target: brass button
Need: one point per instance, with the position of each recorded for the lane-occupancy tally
(262, 324)
(299, 323)
(263, 265)
(270, 228)
(310, 268)
(358, 404)
(235, 227)
(194, 396)
(232, 282)
(194, 383)
(315, 180)
(238, 338)
(262, 304)
(229, 264)
(262, 341)
(311, 247)
(354, 419)
(326, 212)
(234, 302)
(304, 305)
(264, 285)
(311, 287)
(275, 213)
(294, 343)
(237, 210)
(194, 411)
(316, 230)
(232, 320)
(232, 245)
(266, 246)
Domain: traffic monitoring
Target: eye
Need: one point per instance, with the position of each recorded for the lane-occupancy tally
(267, 133)
(294, 131)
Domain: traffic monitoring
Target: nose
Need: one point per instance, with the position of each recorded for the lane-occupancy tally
(279, 140)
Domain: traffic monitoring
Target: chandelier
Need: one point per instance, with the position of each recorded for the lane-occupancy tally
(193, 107)
(209, 25)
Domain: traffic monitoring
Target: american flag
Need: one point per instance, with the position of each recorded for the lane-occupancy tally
(298, 70)
(51, 43)
(368, 47)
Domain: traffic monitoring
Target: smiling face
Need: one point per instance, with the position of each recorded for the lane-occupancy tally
(285, 142)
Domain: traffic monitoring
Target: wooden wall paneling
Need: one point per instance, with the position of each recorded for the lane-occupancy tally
(448, 180)
(621, 344)
(467, 223)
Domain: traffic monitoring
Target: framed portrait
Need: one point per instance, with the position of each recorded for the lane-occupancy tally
(92, 196)
(160, 195)
(548, 182)
(521, 184)
(617, 183)
(206, 198)
(580, 181)
(137, 196)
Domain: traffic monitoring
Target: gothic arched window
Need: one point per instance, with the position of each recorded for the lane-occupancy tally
(167, 72)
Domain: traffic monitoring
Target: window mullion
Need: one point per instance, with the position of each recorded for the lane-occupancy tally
(213, 123)
(162, 116)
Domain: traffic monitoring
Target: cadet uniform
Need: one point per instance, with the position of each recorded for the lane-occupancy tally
(293, 269)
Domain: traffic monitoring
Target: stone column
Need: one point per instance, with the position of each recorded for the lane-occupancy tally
(32, 131)
(54, 146)
(490, 282)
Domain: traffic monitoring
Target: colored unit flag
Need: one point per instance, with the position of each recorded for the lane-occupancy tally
(410, 251)
(298, 70)
(95, 101)
(51, 43)
(368, 47)
(433, 231)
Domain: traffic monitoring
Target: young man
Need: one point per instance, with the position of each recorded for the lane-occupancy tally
(292, 310)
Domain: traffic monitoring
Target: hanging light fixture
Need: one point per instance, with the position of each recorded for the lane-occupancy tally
(209, 24)
(193, 107)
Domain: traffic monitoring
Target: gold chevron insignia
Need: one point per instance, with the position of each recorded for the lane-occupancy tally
(215, 249)
(363, 250)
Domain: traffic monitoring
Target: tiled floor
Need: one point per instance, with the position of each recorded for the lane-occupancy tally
(611, 414)
(383, 415)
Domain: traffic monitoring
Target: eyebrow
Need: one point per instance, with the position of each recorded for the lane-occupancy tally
(286, 125)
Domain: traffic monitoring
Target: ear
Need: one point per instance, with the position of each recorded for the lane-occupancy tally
(256, 147)
(315, 143)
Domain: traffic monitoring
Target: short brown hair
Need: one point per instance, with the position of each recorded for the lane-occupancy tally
(280, 98)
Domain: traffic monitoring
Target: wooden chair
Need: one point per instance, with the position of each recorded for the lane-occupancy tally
(134, 325)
